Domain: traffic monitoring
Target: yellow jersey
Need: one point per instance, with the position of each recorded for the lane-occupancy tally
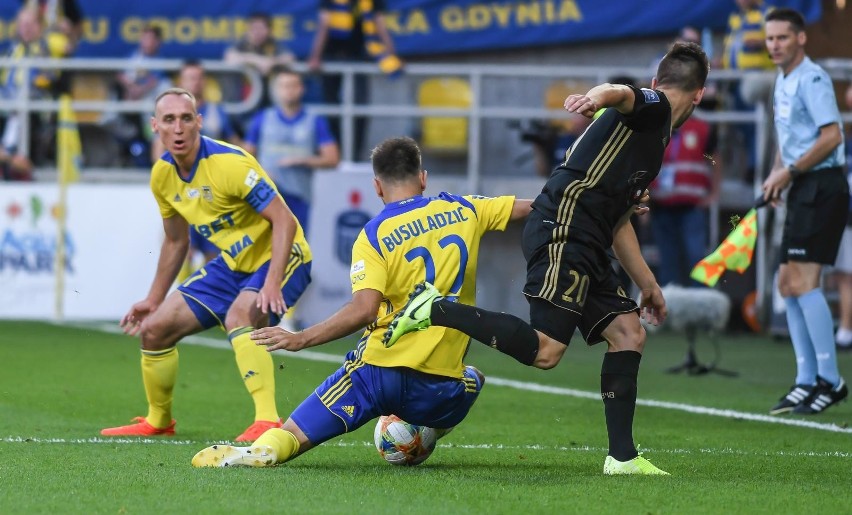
(435, 239)
(222, 199)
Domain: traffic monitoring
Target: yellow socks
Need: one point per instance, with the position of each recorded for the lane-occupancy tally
(256, 367)
(159, 372)
(283, 442)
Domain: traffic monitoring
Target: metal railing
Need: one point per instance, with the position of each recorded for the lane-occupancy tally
(479, 111)
(23, 104)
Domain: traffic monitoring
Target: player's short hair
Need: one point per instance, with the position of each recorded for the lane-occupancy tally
(176, 91)
(396, 159)
(794, 17)
(684, 67)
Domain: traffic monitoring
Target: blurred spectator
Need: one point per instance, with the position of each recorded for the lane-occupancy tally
(745, 49)
(688, 34)
(551, 138)
(843, 265)
(258, 49)
(348, 32)
(139, 81)
(745, 43)
(688, 183)
(61, 16)
(30, 41)
(291, 142)
(215, 122)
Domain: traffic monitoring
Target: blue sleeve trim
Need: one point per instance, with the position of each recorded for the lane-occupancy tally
(371, 230)
(260, 196)
(449, 197)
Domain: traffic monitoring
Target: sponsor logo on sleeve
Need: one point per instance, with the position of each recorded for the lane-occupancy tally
(252, 178)
(651, 96)
(357, 273)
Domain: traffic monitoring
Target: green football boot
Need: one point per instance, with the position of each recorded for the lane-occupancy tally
(414, 316)
(638, 465)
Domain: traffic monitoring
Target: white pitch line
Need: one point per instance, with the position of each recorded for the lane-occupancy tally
(534, 387)
(488, 446)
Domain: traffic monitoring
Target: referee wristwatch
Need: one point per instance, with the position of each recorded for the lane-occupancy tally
(795, 171)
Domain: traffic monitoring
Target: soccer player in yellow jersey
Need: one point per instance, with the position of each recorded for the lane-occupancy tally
(263, 267)
(423, 380)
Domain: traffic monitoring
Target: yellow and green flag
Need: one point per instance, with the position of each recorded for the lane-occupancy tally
(734, 253)
(68, 147)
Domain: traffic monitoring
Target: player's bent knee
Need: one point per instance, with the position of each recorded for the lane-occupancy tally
(550, 352)
(625, 334)
(154, 337)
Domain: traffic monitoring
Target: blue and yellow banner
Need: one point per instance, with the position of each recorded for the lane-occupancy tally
(204, 29)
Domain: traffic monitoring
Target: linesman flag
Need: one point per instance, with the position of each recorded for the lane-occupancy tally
(734, 253)
(68, 147)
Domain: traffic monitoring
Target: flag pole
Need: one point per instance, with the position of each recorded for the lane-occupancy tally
(59, 289)
(68, 155)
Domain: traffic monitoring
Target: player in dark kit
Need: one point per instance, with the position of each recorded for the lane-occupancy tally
(583, 210)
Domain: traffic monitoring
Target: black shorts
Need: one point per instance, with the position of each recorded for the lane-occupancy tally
(570, 286)
(816, 216)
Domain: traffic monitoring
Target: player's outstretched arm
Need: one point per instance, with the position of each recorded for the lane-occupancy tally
(521, 208)
(600, 97)
(353, 316)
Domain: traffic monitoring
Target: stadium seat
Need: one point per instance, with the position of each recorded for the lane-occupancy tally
(443, 135)
(554, 98)
(89, 87)
(212, 89)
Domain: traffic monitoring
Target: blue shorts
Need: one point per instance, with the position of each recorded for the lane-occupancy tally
(357, 393)
(212, 289)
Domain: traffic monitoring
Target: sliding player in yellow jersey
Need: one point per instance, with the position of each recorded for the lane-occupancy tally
(423, 380)
(263, 267)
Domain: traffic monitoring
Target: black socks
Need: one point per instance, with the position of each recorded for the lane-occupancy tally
(502, 331)
(618, 390)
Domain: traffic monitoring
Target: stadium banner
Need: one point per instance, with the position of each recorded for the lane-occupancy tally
(112, 243)
(112, 28)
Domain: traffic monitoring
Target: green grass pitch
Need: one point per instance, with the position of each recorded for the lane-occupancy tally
(534, 442)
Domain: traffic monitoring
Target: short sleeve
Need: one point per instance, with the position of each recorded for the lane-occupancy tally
(369, 269)
(651, 110)
(166, 209)
(819, 99)
(493, 213)
(247, 180)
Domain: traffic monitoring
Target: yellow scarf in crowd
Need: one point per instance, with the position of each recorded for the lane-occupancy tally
(342, 22)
